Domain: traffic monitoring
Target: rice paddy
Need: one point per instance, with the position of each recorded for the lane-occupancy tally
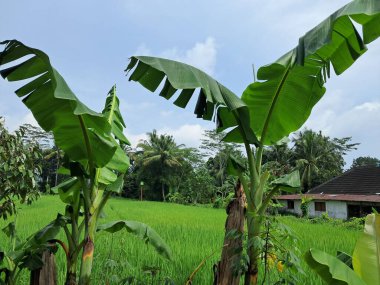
(191, 232)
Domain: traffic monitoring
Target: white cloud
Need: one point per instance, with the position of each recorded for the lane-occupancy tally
(134, 139)
(189, 135)
(166, 113)
(368, 106)
(202, 55)
(326, 111)
(143, 50)
(144, 106)
(291, 19)
(13, 122)
(361, 122)
(362, 117)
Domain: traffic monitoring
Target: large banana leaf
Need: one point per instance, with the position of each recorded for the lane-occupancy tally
(151, 71)
(119, 161)
(366, 257)
(292, 85)
(112, 113)
(331, 269)
(68, 190)
(142, 231)
(289, 182)
(55, 106)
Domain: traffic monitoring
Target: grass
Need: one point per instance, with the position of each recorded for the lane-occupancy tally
(191, 232)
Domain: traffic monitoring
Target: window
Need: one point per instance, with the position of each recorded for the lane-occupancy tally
(320, 206)
(290, 204)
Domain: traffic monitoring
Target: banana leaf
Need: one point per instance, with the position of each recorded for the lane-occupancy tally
(119, 161)
(289, 182)
(142, 231)
(80, 132)
(214, 100)
(331, 269)
(291, 86)
(366, 257)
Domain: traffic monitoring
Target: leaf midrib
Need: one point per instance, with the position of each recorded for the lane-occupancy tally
(112, 111)
(273, 104)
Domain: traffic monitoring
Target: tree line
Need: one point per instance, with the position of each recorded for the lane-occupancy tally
(163, 170)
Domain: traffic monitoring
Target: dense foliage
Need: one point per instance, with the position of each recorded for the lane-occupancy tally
(19, 169)
(318, 157)
(193, 176)
(365, 161)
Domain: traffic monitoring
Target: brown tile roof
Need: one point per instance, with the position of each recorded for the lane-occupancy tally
(358, 181)
(334, 197)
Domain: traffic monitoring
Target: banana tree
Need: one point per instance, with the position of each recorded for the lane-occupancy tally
(271, 108)
(93, 146)
(27, 254)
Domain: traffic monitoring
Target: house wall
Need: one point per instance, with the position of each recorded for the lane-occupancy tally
(335, 209)
(297, 206)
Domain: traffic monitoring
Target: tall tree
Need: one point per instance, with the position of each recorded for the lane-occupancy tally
(161, 155)
(219, 152)
(278, 159)
(319, 157)
(52, 155)
(34, 134)
(19, 170)
(365, 161)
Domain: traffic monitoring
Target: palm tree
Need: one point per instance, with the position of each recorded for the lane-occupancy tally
(162, 155)
(278, 159)
(310, 149)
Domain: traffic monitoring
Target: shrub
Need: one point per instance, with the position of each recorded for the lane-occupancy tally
(177, 198)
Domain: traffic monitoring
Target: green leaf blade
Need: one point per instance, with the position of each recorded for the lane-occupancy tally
(181, 76)
(54, 105)
(291, 86)
(142, 231)
(366, 256)
(331, 269)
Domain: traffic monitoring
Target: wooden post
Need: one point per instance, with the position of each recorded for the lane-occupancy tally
(141, 190)
(47, 274)
(232, 250)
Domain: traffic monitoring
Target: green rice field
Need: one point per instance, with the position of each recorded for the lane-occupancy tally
(191, 232)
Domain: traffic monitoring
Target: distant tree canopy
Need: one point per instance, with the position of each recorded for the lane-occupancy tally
(365, 161)
(218, 153)
(19, 169)
(172, 171)
(183, 175)
(162, 158)
(189, 175)
(318, 157)
(52, 156)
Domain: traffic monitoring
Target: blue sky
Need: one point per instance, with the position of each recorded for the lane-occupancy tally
(89, 43)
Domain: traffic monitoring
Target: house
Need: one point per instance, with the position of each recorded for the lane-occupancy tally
(352, 194)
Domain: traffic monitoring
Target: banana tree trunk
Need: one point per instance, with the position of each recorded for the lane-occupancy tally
(254, 224)
(71, 274)
(88, 252)
(87, 260)
(233, 245)
(47, 274)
